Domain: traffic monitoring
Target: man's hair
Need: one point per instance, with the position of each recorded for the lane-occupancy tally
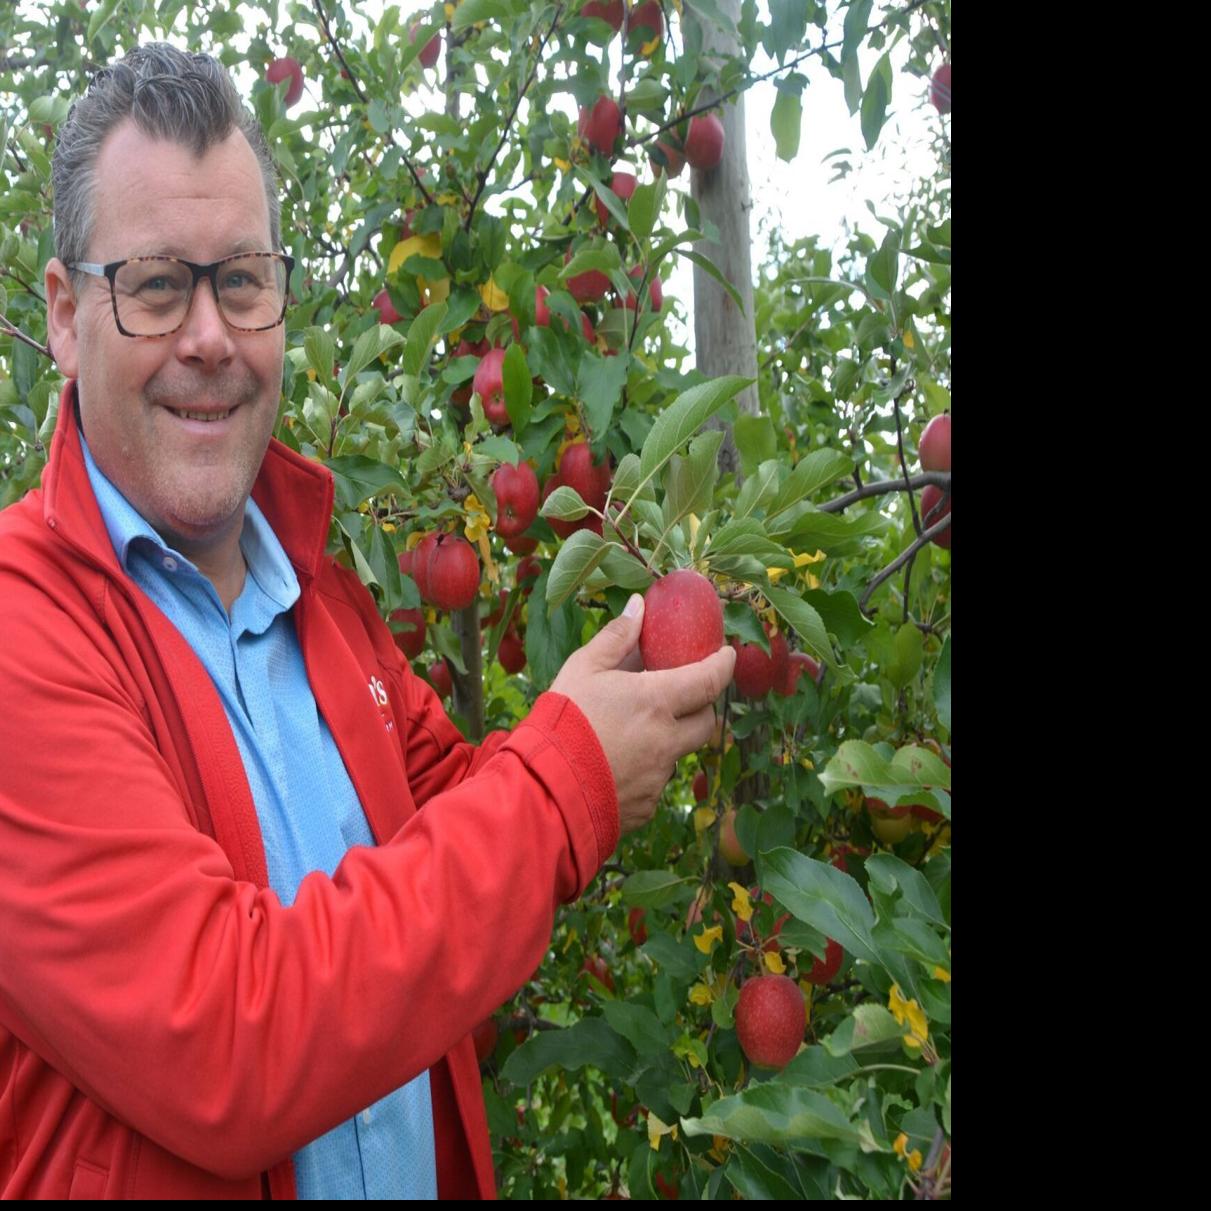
(169, 94)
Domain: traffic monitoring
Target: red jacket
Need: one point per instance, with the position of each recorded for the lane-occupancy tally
(167, 1028)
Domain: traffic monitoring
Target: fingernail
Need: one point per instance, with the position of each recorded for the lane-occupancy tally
(634, 607)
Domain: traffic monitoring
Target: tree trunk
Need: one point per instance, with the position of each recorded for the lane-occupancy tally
(725, 339)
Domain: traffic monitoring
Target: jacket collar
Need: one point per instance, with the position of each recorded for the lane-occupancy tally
(294, 493)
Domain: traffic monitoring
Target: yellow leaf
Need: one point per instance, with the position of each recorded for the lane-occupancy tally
(493, 296)
(911, 1014)
(708, 939)
(485, 553)
(806, 763)
(802, 558)
(414, 245)
(775, 574)
(310, 375)
(909, 339)
(389, 527)
(901, 1150)
(719, 1148)
(572, 935)
(694, 524)
(773, 960)
(940, 973)
(448, 9)
(657, 1129)
(700, 994)
(562, 165)
(447, 199)
(704, 817)
(648, 47)
(813, 582)
(742, 906)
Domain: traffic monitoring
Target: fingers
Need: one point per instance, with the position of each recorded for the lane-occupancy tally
(618, 639)
(694, 731)
(693, 686)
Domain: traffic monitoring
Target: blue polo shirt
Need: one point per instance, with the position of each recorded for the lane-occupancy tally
(308, 810)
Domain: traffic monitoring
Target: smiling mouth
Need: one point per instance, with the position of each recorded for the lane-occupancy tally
(185, 414)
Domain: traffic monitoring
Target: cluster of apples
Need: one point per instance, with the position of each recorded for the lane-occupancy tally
(600, 126)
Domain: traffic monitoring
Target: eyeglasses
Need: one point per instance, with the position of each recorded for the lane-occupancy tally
(151, 295)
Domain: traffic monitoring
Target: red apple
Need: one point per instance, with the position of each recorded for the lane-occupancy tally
(635, 926)
(528, 571)
(410, 642)
(542, 313)
(512, 652)
(586, 287)
(655, 291)
(497, 611)
(646, 23)
(930, 497)
(700, 787)
(824, 971)
(770, 1020)
(668, 1190)
(522, 544)
(433, 48)
(595, 966)
(490, 383)
(934, 447)
(796, 663)
(682, 621)
(516, 491)
(451, 573)
(623, 184)
(756, 673)
(387, 313)
(890, 824)
(730, 848)
(704, 142)
(609, 11)
(600, 125)
(440, 678)
(283, 69)
(591, 480)
(939, 89)
(673, 158)
(419, 567)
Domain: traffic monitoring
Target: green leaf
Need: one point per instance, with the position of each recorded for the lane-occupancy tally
(358, 478)
(548, 356)
(638, 1025)
(599, 383)
(868, 1026)
(682, 419)
(759, 489)
(680, 959)
(756, 441)
(857, 763)
(623, 569)
(941, 685)
(551, 637)
(839, 612)
(888, 873)
(609, 199)
(576, 559)
(776, 1113)
(915, 939)
(753, 1180)
(654, 888)
(462, 304)
(564, 504)
(828, 532)
(692, 479)
(641, 211)
(819, 468)
(626, 478)
(498, 447)
(807, 623)
(519, 387)
(422, 332)
(883, 267)
(709, 267)
(785, 123)
(365, 349)
(816, 1068)
(857, 17)
(875, 101)
(745, 536)
(740, 619)
(469, 12)
(590, 1041)
(826, 898)
(321, 352)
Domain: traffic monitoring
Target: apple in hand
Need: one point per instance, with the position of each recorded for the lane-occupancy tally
(516, 490)
(600, 125)
(704, 142)
(770, 1020)
(682, 621)
(287, 68)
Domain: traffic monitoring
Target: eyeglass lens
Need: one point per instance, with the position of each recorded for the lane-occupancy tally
(153, 293)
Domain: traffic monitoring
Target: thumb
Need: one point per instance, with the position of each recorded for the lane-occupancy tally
(619, 637)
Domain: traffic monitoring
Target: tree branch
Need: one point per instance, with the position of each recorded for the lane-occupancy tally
(504, 134)
(904, 556)
(881, 487)
(17, 334)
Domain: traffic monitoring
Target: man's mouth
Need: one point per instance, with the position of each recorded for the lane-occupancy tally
(186, 414)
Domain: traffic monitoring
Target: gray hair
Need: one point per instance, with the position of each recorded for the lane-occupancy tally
(188, 98)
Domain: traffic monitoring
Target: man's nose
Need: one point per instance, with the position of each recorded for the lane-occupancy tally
(205, 336)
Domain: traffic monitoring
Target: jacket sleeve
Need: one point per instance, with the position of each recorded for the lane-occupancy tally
(195, 1007)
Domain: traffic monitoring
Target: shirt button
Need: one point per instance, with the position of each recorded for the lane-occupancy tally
(366, 1116)
(170, 564)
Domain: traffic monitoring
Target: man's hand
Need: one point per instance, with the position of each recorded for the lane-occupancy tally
(645, 721)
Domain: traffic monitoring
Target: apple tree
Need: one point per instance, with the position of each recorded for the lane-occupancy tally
(484, 201)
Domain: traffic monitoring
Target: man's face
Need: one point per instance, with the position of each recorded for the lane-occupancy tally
(190, 478)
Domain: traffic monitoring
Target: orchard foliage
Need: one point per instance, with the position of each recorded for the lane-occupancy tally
(462, 199)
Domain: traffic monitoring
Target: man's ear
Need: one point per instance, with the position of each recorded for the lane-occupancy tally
(61, 318)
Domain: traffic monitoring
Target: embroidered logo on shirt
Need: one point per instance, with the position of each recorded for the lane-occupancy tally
(378, 692)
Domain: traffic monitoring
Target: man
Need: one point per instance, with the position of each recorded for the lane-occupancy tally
(255, 888)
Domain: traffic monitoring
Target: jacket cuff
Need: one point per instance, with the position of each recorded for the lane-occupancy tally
(559, 745)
